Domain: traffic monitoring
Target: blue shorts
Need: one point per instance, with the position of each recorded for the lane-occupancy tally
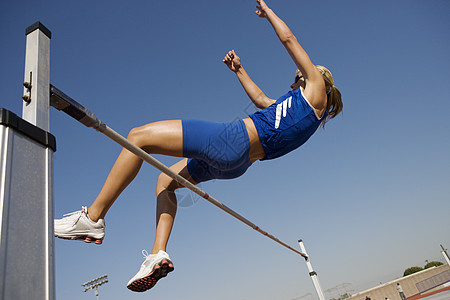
(215, 150)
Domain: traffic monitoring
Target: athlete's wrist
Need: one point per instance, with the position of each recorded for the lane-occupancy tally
(239, 70)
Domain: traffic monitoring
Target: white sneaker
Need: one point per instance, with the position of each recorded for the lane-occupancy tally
(155, 267)
(78, 226)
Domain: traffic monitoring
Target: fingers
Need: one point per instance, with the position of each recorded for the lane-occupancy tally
(261, 3)
(232, 61)
(229, 56)
(228, 60)
(261, 8)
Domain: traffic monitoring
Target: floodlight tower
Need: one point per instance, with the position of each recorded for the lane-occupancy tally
(95, 283)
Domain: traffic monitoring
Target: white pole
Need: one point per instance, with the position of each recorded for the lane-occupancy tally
(444, 253)
(312, 273)
(36, 93)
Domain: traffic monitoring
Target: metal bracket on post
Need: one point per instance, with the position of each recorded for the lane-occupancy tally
(27, 93)
(312, 273)
(61, 101)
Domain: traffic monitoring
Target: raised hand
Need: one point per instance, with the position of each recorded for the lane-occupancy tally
(232, 61)
(262, 8)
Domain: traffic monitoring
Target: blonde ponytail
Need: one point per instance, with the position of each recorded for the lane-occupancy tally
(334, 100)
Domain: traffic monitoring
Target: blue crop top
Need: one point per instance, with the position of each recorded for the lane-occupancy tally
(286, 125)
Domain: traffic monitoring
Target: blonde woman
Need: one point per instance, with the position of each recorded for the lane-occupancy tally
(212, 150)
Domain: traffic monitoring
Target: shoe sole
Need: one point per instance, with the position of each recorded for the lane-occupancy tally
(84, 238)
(93, 240)
(147, 282)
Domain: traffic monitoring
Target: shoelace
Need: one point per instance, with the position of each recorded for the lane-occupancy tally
(79, 212)
(147, 257)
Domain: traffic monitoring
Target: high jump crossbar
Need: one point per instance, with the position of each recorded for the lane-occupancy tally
(61, 101)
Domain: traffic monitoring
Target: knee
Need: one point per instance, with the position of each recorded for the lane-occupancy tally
(133, 135)
(167, 183)
(138, 135)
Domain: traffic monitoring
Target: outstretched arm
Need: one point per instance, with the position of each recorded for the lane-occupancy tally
(255, 94)
(289, 41)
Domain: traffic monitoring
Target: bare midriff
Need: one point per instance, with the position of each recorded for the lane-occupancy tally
(256, 148)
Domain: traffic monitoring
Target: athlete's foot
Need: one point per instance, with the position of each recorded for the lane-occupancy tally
(78, 226)
(155, 267)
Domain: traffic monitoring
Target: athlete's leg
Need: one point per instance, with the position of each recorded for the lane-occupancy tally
(167, 204)
(158, 264)
(165, 137)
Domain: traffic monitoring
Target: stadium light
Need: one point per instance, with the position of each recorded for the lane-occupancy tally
(95, 283)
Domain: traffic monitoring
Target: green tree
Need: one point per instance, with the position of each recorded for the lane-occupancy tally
(433, 264)
(412, 270)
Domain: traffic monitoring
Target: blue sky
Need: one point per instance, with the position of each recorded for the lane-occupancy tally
(369, 195)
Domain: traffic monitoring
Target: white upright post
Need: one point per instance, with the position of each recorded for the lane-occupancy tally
(312, 273)
(444, 253)
(26, 183)
(37, 76)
